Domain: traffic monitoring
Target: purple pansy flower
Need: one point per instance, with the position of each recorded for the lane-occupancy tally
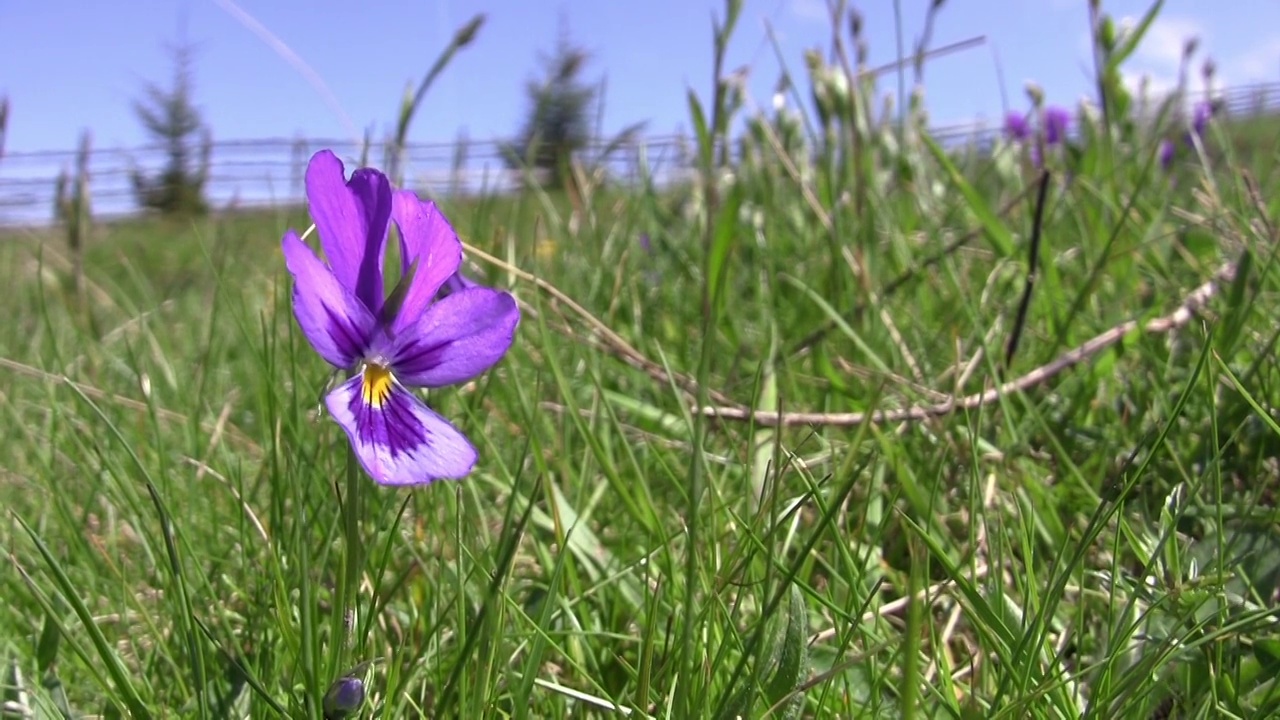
(344, 697)
(1016, 127)
(1056, 121)
(389, 344)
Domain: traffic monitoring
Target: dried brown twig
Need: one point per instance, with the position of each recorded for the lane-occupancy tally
(217, 429)
(1186, 310)
(910, 274)
(613, 342)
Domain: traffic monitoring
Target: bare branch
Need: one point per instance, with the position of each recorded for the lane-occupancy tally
(1191, 304)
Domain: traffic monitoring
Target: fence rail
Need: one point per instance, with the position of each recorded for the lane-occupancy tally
(258, 172)
(248, 173)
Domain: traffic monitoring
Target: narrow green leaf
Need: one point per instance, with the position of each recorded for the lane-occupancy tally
(1133, 38)
(395, 300)
(726, 231)
(47, 645)
(700, 130)
(195, 652)
(52, 684)
(992, 228)
(1267, 651)
(106, 653)
(793, 656)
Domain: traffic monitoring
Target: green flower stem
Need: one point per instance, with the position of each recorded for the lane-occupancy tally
(346, 609)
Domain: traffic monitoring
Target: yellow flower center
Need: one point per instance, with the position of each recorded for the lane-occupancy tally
(376, 385)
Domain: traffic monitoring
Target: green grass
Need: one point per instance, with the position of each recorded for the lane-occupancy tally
(1102, 544)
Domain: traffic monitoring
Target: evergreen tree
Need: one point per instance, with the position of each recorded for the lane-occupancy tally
(172, 119)
(560, 108)
(4, 121)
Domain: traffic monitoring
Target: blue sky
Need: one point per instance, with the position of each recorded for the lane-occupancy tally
(74, 65)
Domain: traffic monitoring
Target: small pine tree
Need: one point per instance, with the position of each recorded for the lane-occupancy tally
(560, 108)
(172, 119)
(4, 121)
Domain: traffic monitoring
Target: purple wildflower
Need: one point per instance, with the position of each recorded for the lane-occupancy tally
(645, 243)
(1056, 121)
(389, 344)
(1016, 127)
(344, 697)
(1166, 153)
(1200, 117)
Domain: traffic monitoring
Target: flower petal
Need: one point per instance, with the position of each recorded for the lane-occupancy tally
(336, 324)
(352, 218)
(397, 438)
(456, 339)
(426, 237)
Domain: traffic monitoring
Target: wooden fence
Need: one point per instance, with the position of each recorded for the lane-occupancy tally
(262, 172)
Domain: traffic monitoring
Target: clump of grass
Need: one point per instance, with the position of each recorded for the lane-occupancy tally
(683, 507)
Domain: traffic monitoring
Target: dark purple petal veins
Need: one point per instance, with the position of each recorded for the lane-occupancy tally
(396, 437)
(459, 337)
(352, 218)
(345, 335)
(388, 422)
(429, 244)
(333, 320)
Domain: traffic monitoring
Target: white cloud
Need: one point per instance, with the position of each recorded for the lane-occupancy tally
(1156, 85)
(1159, 55)
(810, 10)
(1260, 62)
(1162, 46)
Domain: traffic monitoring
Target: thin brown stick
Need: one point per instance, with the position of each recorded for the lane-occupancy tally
(1033, 265)
(1260, 206)
(909, 274)
(1180, 316)
(613, 341)
(232, 432)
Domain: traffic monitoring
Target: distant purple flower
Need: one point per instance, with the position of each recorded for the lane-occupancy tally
(645, 244)
(388, 344)
(1166, 153)
(1016, 126)
(1056, 121)
(1200, 117)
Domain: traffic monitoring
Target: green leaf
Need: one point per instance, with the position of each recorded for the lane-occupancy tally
(395, 300)
(120, 676)
(740, 704)
(764, 438)
(1133, 38)
(700, 130)
(1267, 651)
(721, 243)
(1234, 320)
(52, 685)
(822, 363)
(47, 645)
(793, 657)
(992, 228)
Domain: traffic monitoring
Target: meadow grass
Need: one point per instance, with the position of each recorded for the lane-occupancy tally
(1100, 542)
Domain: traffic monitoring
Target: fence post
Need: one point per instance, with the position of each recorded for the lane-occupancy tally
(298, 169)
